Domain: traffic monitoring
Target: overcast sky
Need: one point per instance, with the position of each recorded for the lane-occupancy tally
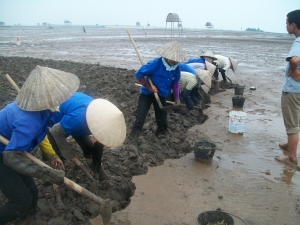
(267, 15)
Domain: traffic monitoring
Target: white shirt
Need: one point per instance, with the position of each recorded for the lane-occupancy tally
(187, 81)
(222, 62)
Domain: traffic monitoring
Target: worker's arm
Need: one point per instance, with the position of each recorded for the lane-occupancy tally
(19, 162)
(50, 154)
(294, 72)
(176, 92)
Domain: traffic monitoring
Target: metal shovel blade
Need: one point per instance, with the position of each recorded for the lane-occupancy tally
(170, 107)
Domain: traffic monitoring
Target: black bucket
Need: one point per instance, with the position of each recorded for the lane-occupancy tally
(212, 217)
(204, 151)
(239, 90)
(238, 101)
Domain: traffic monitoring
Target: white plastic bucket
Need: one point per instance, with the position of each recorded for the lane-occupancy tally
(237, 121)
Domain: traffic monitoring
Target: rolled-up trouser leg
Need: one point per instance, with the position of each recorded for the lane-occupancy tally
(20, 191)
(58, 134)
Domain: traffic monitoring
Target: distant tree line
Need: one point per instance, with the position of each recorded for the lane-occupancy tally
(253, 29)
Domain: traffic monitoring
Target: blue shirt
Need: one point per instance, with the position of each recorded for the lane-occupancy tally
(195, 60)
(24, 129)
(186, 68)
(289, 84)
(161, 78)
(72, 115)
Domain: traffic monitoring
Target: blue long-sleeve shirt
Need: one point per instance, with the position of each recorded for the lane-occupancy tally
(160, 77)
(186, 68)
(24, 129)
(72, 115)
(195, 60)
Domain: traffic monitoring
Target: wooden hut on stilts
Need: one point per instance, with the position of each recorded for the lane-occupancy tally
(174, 18)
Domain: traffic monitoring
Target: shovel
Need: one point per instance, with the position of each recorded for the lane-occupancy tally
(166, 108)
(169, 107)
(105, 207)
(173, 104)
(77, 162)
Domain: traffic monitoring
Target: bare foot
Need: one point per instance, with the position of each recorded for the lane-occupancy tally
(284, 147)
(286, 159)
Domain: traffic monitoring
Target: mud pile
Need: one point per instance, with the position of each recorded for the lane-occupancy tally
(116, 85)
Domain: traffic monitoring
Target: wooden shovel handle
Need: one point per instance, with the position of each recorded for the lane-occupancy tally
(15, 86)
(85, 171)
(134, 46)
(142, 62)
(155, 94)
(80, 190)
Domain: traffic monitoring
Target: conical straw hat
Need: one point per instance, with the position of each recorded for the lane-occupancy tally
(208, 54)
(46, 88)
(210, 67)
(172, 51)
(205, 76)
(234, 64)
(106, 122)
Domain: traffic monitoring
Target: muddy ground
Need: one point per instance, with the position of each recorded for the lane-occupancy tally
(158, 180)
(116, 85)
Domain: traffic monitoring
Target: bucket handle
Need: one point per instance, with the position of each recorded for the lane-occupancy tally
(237, 86)
(216, 148)
(218, 209)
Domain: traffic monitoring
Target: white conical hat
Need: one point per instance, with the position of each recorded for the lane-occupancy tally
(172, 51)
(210, 67)
(205, 76)
(106, 122)
(234, 64)
(208, 54)
(46, 88)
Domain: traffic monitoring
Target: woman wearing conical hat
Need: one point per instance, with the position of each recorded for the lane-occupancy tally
(222, 63)
(82, 116)
(189, 85)
(199, 66)
(190, 80)
(165, 75)
(25, 124)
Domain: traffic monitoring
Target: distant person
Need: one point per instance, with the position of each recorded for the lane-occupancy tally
(290, 98)
(222, 63)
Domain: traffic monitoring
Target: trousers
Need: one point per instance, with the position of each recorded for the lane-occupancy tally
(20, 191)
(88, 147)
(144, 104)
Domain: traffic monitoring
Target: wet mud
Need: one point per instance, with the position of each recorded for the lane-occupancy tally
(131, 159)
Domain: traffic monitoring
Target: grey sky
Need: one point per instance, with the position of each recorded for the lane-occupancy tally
(268, 15)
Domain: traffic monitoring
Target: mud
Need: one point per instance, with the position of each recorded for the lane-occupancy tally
(158, 180)
(132, 159)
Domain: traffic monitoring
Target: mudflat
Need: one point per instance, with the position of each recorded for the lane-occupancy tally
(158, 180)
